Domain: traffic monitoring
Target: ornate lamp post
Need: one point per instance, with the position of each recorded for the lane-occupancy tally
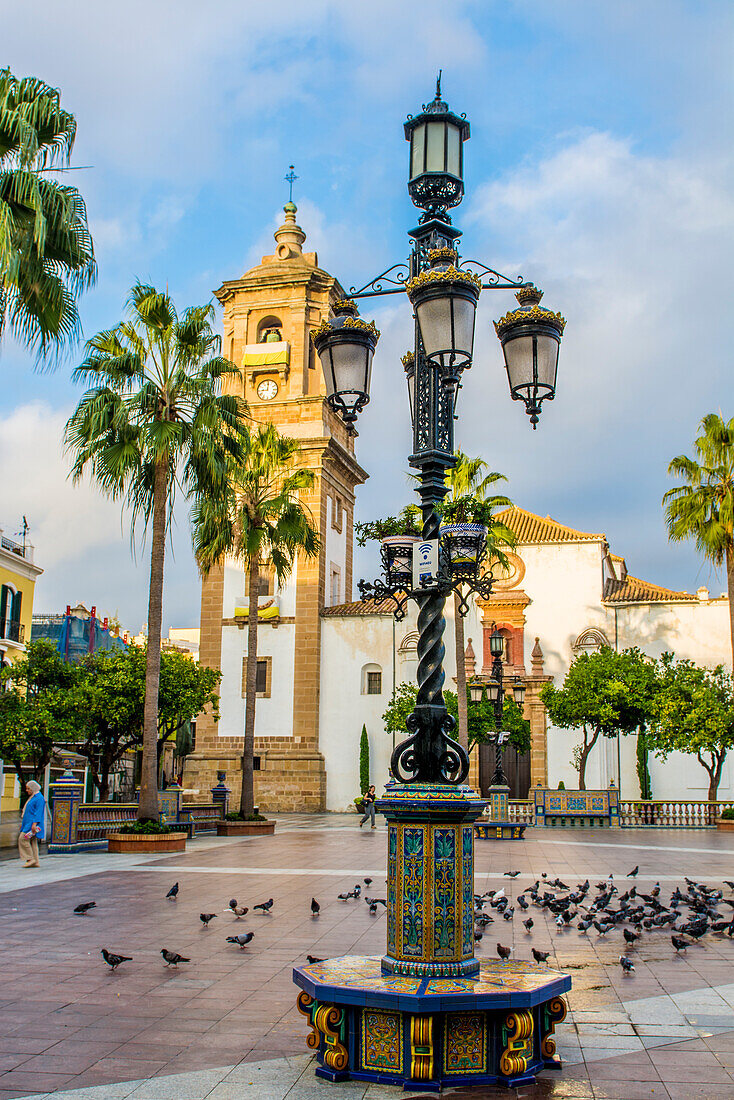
(393, 1019)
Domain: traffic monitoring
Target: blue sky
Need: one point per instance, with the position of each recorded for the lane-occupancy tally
(600, 166)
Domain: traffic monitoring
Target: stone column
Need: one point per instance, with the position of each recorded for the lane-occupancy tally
(534, 711)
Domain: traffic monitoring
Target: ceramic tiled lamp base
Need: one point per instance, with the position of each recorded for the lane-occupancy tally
(433, 1032)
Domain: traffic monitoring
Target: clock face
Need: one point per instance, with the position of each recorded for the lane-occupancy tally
(267, 389)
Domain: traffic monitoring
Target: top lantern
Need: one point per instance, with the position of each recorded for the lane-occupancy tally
(436, 159)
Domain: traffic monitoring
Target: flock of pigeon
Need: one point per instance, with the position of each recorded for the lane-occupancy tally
(172, 958)
(635, 911)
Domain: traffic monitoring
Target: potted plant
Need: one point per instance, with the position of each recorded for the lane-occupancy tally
(145, 836)
(463, 531)
(725, 821)
(235, 824)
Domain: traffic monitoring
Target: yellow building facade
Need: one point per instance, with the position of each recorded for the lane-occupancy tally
(18, 576)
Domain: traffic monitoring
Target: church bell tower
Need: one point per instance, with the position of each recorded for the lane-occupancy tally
(269, 313)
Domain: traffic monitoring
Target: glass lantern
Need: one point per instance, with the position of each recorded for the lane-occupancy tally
(531, 339)
(346, 346)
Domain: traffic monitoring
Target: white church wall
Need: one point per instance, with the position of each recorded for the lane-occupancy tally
(273, 715)
(335, 555)
(347, 645)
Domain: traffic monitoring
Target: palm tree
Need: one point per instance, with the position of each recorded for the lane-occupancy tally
(703, 509)
(467, 478)
(46, 251)
(155, 422)
(263, 523)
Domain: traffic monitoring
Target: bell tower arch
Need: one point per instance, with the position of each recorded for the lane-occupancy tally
(269, 313)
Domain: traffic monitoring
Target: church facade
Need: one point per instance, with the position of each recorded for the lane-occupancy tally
(327, 665)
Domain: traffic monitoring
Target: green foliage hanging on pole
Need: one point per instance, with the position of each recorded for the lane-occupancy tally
(364, 761)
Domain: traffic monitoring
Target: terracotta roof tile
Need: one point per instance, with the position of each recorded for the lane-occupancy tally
(531, 528)
(358, 607)
(633, 590)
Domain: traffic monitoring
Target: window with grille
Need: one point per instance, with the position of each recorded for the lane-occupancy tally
(261, 679)
(374, 683)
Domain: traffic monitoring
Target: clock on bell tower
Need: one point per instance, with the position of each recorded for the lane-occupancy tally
(269, 313)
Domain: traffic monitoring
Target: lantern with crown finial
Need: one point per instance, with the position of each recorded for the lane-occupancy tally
(346, 345)
(530, 338)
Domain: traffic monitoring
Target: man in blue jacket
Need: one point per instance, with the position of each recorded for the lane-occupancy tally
(33, 824)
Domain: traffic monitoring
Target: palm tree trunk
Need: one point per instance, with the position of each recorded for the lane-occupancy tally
(730, 591)
(461, 677)
(247, 799)
(148, 807)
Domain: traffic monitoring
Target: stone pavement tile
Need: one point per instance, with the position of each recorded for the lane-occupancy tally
(25, 1044)
(700, 1091)
(18, 1079)
(11, 1061)
(629, 1090)
(622, 1069)
(178, 1086)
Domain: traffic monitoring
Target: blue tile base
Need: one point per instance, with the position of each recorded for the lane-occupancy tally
(428, 1033)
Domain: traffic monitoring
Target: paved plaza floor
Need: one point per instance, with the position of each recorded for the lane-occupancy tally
(225, 1027)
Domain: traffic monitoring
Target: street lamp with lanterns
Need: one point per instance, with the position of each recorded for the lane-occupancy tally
(429, 810)
(443, 291)
(496, 689)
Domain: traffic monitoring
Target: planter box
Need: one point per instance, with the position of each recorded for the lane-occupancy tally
(245, 828)
(725, 826)
(146, 842)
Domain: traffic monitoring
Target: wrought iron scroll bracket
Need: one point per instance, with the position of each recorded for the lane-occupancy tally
(395, 277)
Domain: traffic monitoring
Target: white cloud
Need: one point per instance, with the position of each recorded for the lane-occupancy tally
(78, 537)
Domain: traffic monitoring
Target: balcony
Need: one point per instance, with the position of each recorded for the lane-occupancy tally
(16, 548)
(12, 631)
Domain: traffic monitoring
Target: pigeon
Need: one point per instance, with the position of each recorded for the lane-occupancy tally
(172, 959)
(522, 902)
(238, 910)
(601, 928)
(504, 952)
(528, 924)
(367, 881)
(633, 874)
(315, 907)
(372, 908)
(729, 884)
(678, 943)
(540, 956)
(357, 890)
(312, 960)
(508, 913)
(511, 874)
(206, 917)
(630, 937)
(112, 960)
(478, 936)
(342, 897)
(266, 906)
(627, 965)
(85, 907)
(173, 892)
(242, 941)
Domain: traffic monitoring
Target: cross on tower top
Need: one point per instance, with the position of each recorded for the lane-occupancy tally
(290, 177)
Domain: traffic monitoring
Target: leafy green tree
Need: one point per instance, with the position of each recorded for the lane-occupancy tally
(603, 694)
(694, 713)
(155, 422)
(36, 709)
(261, 521)
(110, 693)
(46, 251)
(702, 508)
(364, 761)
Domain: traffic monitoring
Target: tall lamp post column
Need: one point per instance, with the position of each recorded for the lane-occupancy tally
(391, 1018)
